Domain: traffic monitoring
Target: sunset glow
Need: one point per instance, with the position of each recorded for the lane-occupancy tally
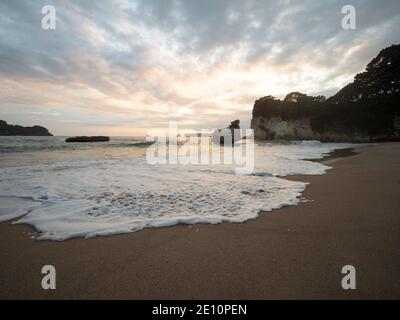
(122, 67)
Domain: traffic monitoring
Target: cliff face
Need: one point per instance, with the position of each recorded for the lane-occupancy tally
(365, 110)
(11, 130)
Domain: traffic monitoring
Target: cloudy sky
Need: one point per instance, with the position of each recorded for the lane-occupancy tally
(120, 67)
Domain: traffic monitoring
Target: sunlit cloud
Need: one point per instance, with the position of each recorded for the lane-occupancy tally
(121, 67)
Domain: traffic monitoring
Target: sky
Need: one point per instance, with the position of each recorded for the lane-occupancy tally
(122, 67)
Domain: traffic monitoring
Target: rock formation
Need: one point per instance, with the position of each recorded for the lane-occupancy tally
(229, 135)
(14, 130)
(365, 110)
(88, 139)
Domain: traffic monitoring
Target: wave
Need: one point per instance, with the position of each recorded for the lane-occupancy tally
(37, 144)
(105, 197)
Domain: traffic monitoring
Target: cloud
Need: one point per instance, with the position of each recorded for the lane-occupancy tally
(141, 63)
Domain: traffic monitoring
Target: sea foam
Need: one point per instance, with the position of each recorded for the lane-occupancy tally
(106, 197)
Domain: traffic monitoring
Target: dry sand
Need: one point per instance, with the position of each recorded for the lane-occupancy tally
(294, 253)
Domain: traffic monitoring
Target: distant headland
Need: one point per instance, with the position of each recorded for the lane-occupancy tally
(15, 130)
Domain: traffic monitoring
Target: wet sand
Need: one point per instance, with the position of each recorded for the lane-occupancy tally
(292, 253)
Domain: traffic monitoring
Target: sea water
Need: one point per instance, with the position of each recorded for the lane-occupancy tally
(97, 189)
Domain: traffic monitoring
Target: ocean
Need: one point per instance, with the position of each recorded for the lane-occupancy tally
(85, 190)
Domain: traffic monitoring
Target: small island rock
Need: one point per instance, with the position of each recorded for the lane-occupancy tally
(88, 139)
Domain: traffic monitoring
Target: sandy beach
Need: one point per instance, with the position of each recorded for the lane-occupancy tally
(352, 218)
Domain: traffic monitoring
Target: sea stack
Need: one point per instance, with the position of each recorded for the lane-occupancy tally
(228, 135)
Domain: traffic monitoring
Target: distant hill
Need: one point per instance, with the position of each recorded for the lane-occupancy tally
(14, 130)
(367, 109)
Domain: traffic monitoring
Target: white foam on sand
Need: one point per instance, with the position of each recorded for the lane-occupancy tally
(95, 198)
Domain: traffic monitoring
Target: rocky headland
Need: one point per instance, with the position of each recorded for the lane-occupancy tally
(15, 130)
(366, 110)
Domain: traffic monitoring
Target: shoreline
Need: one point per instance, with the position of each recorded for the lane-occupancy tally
(294, 252)
(335, 154)
(338, 154)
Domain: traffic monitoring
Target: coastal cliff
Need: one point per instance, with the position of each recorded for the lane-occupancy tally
(14, 130)
(365, 110)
